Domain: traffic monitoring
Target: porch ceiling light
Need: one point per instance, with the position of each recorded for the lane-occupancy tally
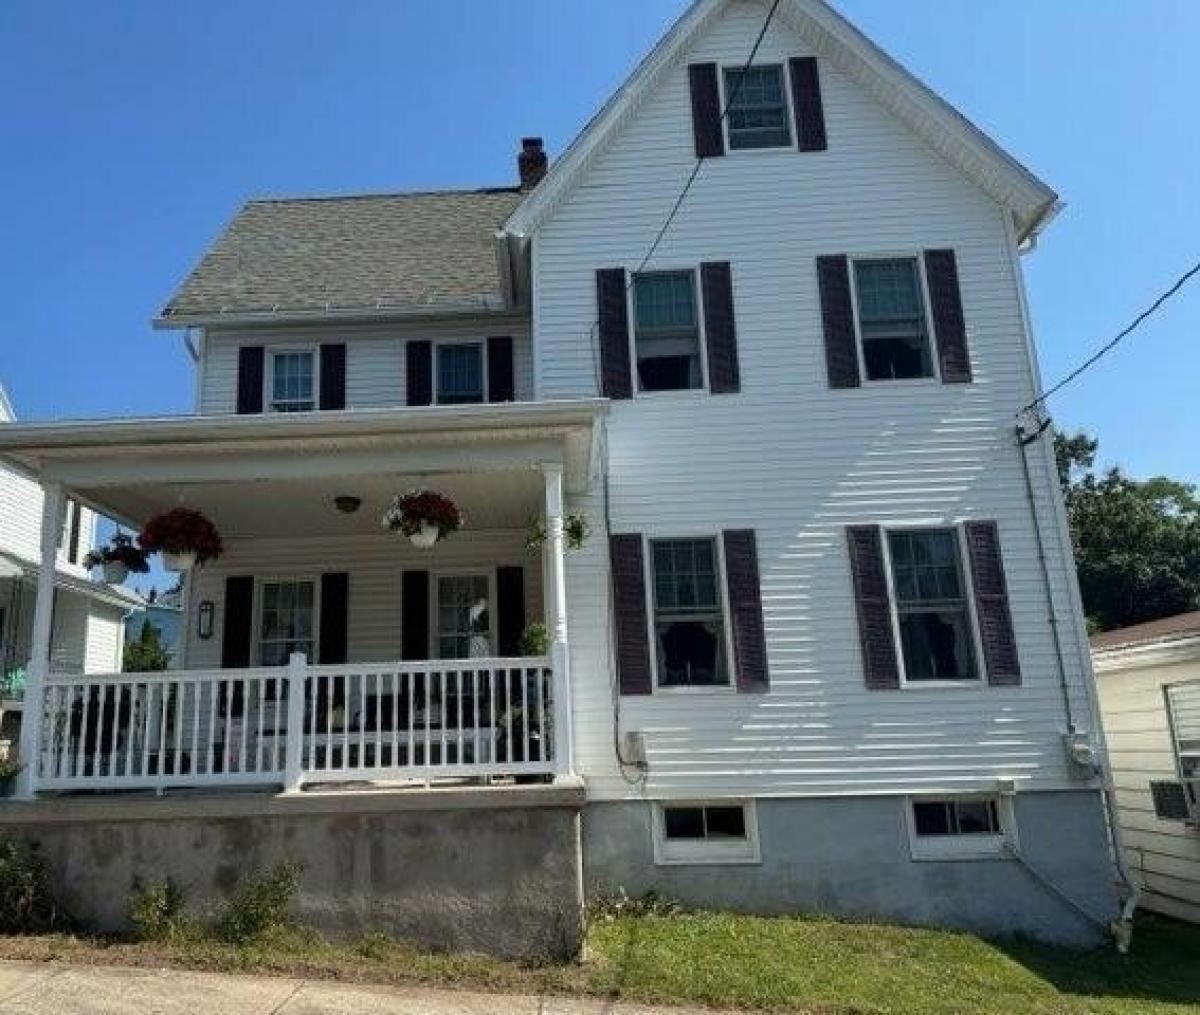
(347, 504)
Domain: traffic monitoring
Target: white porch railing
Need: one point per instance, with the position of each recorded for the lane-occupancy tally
(295, 724)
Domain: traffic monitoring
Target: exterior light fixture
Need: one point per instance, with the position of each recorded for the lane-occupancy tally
(205, 626)
(347, 504)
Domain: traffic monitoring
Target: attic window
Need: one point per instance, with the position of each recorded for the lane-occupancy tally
(292, 383)
(757, 108)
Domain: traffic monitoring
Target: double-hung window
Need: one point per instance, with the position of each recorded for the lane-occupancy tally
(292, 382)
(689, 619)
(961, 827)
(757, 108)
(460, 370)
(287, 620)
(933, 611)
(464, 628)
(892, 319)
(666, 331)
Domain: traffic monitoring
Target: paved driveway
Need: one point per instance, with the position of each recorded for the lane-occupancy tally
(58, 989)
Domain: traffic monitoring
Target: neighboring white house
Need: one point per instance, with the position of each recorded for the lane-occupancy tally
(88, 633)
(1149, 682)
(807, 658)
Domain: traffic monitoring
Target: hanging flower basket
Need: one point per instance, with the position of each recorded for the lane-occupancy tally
(184, 537)
(117, 559)
(425, 516)
(576, 529)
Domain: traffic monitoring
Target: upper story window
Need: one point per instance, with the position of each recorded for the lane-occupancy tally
(287, 621)
(757, 108)
(666, 331)
(460, 372)
(892, 321)
(936, 635)
(291, 381)
(689, 620)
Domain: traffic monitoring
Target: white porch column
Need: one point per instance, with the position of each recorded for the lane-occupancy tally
(293, 759)
(556, 597)
(39, 658)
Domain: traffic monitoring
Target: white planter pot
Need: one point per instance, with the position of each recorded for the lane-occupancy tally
(426, 537)
(179, 561)
(115, 572)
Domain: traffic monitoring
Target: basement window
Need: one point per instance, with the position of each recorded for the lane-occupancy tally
(960, 827)
(705, 832)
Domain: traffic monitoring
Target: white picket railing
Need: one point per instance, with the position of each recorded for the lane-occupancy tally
(298, 724)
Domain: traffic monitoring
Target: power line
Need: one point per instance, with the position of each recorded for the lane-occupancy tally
(1107, 348)
(687, 186)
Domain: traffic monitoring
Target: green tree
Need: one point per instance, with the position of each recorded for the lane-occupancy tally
(146, 654)
(1137, 543)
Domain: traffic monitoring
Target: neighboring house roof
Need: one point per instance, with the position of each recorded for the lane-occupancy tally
(432, 251)
(14, 566)
(1030, 201)
(1155, 632)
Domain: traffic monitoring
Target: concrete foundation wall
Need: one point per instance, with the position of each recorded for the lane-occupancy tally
(494, 870)
(851, 857)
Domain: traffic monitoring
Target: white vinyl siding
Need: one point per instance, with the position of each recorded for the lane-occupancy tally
(797, 461)
(1163, 855)
(374, 564)
(375, 360)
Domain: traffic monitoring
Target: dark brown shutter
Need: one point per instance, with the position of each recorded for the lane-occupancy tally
(745, 609)
(941, 275)
(806, 104)
(706, 110)
(880, 667)
(237, 635)
(837, 316)
(510, 609)
(418, 362)
(716, 283)
(335, 617)
(500, 369)
(73, 542)
(616, 378)
(250, 379)
(991, 604)
(333, 377)
(629, 611)
(414, 623)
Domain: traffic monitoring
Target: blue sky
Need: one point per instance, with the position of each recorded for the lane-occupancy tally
(131, 132)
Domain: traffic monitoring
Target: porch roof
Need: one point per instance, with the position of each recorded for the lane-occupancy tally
(127, 467)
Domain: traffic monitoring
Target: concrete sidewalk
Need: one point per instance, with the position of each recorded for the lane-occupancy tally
(60, 989)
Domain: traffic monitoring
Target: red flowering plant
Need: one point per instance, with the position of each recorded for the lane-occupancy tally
(409, 512)
(181, 530)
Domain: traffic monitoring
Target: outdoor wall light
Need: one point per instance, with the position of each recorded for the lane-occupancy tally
(207, 611)
(346, 504)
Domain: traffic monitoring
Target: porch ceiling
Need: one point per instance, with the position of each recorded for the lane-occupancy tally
(305, 508)
(278, 474)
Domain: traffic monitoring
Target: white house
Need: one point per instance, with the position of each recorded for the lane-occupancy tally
(822, 648)
(88, 632)
(1149, 681)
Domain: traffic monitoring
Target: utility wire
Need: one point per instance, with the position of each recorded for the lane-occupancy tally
(687, 186)
(1107, 348)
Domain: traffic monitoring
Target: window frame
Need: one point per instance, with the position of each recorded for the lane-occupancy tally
(481, 343)
(730, 685)
(312, 350)
(969, 846)
(964, 564)
(1177, 741)
(678, 852)
(435, 635)
(935, 376)
(785, 77)
(701, 336)
(260, 583)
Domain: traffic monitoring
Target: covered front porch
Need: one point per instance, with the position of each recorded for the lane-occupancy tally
(321, 648)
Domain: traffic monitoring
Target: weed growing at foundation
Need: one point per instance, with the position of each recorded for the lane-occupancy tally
(156, 911)
(260, 903)
(27, 901)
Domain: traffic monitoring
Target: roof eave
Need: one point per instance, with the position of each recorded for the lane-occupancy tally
(167, 321)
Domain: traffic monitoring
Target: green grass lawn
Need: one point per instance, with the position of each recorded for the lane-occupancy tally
(723, 960)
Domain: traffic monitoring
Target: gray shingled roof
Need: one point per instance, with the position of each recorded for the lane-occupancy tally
(373, 251)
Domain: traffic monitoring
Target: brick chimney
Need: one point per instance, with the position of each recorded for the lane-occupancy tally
(531, 162)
